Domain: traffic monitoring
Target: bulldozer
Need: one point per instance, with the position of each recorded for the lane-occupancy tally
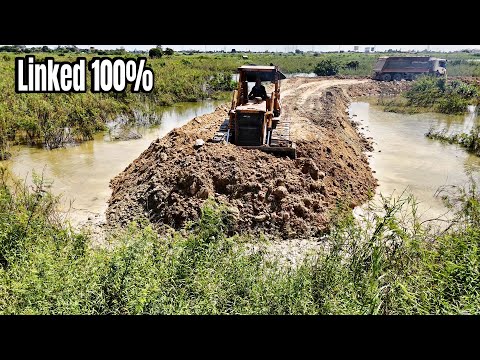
(256, 123)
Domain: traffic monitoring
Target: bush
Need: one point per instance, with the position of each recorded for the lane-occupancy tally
(222, 82)
(352, 65)
(425, 91)
(466, 91)
(326, 67)
(452, 104)
(155, 53)
(448, 98)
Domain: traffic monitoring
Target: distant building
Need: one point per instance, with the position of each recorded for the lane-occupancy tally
(356, 48)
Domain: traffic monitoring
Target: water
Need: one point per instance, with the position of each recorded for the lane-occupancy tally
(405, 159)
(82, 173)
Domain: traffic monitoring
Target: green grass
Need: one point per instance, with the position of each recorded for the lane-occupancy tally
(392, 264)
(428, 94)
(40, 119)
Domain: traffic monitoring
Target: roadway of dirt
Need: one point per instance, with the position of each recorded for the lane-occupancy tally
(170, 181)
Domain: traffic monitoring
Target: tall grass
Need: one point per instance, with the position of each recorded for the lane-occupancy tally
(392, 263)
(53, 120)
(434, 94)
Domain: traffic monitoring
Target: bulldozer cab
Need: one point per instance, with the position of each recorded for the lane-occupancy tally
(249, 74)
(256, 123)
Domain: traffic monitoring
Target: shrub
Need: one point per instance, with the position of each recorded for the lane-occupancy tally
(452, 104)
(352, 65)
(425, 91)
(466, 91)
(155, 53)
(448, 98)
(326, 67)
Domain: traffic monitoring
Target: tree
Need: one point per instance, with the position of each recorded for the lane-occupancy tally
(168, 51)
(155, 53)
(326, 68)
(45, 48)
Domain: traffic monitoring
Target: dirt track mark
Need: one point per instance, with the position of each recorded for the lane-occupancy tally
(301, 98)
(277, 196)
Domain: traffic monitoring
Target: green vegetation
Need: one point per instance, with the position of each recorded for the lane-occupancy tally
(470, 141)
(53, 120)
(326, 67)
(155, 53)
(434, 94)
(392, 264)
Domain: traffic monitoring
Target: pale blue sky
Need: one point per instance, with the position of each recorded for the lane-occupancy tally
(285, 47)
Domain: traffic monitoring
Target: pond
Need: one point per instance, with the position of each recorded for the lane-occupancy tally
(405, 159)
(82, 173)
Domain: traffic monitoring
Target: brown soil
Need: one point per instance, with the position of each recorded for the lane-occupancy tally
(374, 88)
(169, 182)
(474, 80)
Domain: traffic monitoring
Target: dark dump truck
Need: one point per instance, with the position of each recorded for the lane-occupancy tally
(397, 68)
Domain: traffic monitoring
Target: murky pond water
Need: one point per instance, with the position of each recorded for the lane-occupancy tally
(405, 159)
(82, 173)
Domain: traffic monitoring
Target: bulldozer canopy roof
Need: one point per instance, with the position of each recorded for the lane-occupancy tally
(265, 73)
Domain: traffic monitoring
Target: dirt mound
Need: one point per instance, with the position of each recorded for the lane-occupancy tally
(373, 87)
(169, 182)
(473, 80)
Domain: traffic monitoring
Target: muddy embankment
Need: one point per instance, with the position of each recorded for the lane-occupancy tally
(375, 88)
(169, 182)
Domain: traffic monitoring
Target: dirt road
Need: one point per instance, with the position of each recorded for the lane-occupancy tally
(302, 101)
(169, 182)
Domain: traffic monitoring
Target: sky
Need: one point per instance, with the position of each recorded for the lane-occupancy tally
(287, 48)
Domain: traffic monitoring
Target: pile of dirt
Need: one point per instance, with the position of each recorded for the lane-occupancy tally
(169, 182)
(374, 87)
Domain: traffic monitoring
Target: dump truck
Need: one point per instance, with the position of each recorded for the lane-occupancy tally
(397, 68)
(257, 123)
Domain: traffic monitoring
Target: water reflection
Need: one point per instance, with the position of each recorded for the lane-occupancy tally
(404, 157)
(82, 173)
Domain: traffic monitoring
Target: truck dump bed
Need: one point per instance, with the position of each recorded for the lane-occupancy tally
(407, 64)
(407, 67)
